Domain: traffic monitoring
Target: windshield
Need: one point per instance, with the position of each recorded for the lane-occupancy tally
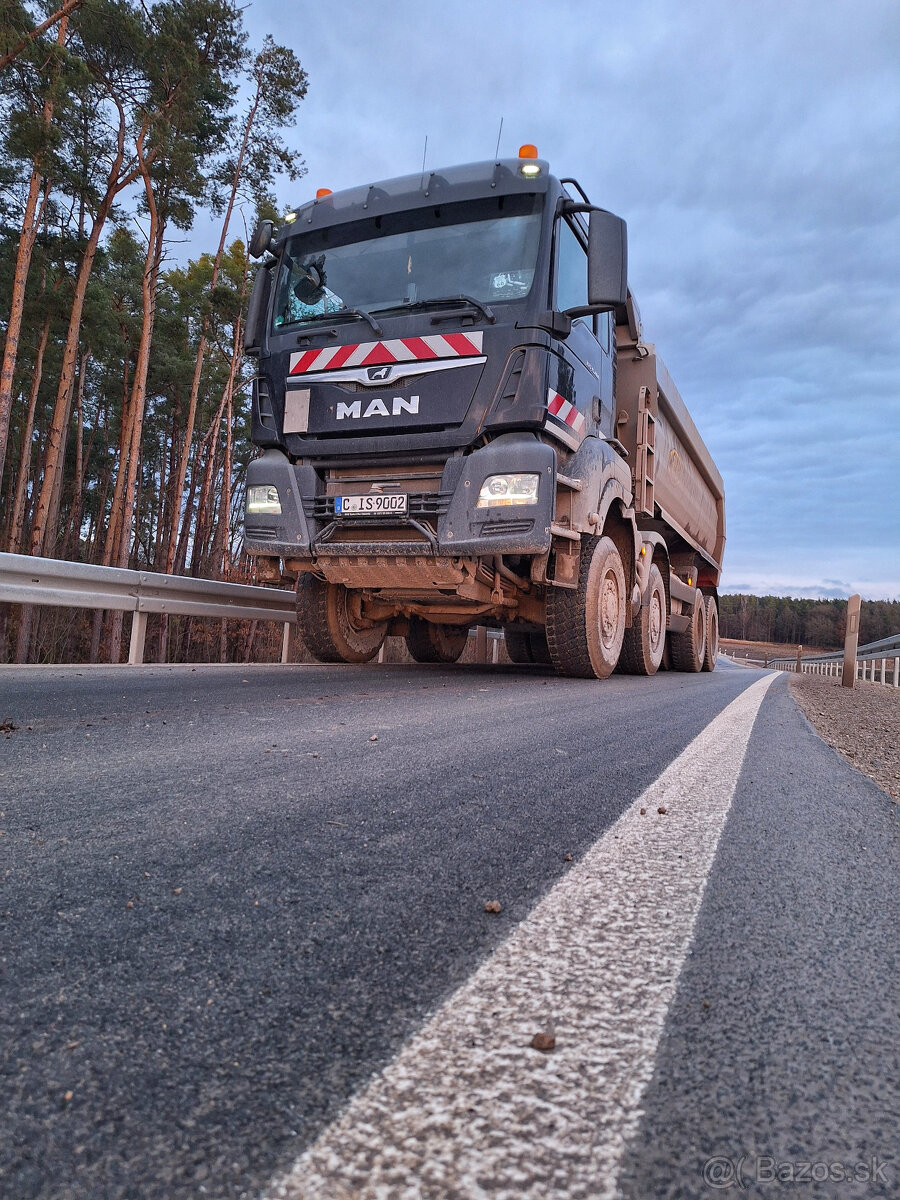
(486, 249)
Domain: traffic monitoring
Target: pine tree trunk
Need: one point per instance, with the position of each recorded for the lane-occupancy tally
(72, 540)
(203, 526)
(18, 505)
(149, 283)
(41, 534)
(201, 347)
(221, 552)
(30, 224)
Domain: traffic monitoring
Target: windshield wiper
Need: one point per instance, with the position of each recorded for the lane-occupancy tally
(340, 313)
(436, 301)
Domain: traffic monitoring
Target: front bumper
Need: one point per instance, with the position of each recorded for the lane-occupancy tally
(448, 523)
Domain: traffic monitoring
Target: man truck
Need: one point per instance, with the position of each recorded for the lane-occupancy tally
(460, 424)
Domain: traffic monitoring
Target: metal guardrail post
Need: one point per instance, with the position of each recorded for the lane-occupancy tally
(138, 635)
(851, 641)
(481, 644)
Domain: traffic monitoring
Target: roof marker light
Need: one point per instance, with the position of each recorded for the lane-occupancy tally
(529, 169)
(322, 193)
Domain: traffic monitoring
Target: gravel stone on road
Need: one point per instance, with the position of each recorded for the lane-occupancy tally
(861, 723)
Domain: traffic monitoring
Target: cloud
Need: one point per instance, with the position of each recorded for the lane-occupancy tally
(752, 150)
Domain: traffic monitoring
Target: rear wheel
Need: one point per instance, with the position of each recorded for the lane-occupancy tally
(586, 625)
(642, 649)
(689, 647)
(332, 625)
(712, 634)
(527, 647)
(429, 643)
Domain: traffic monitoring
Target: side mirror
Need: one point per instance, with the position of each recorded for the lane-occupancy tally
(256, 311)
(607, 260)
(262, 239)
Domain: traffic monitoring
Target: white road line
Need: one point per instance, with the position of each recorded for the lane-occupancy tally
(468, 1109)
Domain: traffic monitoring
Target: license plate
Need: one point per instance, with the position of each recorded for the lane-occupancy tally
(375, 503)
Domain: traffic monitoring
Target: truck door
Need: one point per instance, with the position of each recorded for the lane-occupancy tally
(586, 351)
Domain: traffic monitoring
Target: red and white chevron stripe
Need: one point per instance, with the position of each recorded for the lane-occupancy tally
(568, 415)
(396, 350)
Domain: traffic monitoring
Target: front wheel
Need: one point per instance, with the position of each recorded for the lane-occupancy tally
(586, 625)
(429, 643)
(332, 625)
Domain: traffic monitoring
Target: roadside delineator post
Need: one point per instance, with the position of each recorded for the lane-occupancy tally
(851, 641)
(799, 660)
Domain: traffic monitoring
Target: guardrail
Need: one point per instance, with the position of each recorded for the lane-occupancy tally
(27, 580)
(868, 659)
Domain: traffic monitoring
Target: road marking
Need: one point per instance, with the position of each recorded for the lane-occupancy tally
(467, 1108)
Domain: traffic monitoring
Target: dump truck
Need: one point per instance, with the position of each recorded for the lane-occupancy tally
(459, 424)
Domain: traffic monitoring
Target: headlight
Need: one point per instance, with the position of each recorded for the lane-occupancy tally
(508, 489)
(263, 499)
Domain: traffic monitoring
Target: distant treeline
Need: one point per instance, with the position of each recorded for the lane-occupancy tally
(804, 622)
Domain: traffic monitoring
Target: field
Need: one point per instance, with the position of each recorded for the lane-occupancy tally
(762, 651)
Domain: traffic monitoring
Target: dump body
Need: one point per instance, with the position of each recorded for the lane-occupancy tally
(677, 485)
(460, 424)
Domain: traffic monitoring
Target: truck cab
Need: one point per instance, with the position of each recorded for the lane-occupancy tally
(435, 404)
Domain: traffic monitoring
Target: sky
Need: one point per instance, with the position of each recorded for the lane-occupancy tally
(753, 148)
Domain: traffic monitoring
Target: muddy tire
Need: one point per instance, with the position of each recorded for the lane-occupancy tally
(645, 641)
(586, 625)
(689, 647)
(711, 650)
(517, 646)
(429, 643)
(527, 648)
(329, 627)
(540, 651)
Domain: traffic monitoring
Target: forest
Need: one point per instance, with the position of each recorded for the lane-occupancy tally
(123, 389)
(819, 624)
(124, 395)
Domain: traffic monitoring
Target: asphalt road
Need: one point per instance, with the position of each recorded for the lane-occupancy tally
(231, 895)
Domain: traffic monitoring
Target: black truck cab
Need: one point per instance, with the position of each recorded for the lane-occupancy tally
(434, 406)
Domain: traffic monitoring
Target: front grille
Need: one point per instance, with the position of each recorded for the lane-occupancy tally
(350, 385)
(421, 482)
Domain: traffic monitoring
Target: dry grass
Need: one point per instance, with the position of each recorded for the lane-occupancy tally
(764, 650)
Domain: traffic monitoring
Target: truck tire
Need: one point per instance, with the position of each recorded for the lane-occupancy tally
(527, 648)
(689, 647)
(429, 643)
(327, 624)
(712, 634)
(642, 649)
(586, 625)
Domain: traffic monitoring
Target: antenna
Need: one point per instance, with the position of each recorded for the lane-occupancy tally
(424, 153)
(499, 131)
